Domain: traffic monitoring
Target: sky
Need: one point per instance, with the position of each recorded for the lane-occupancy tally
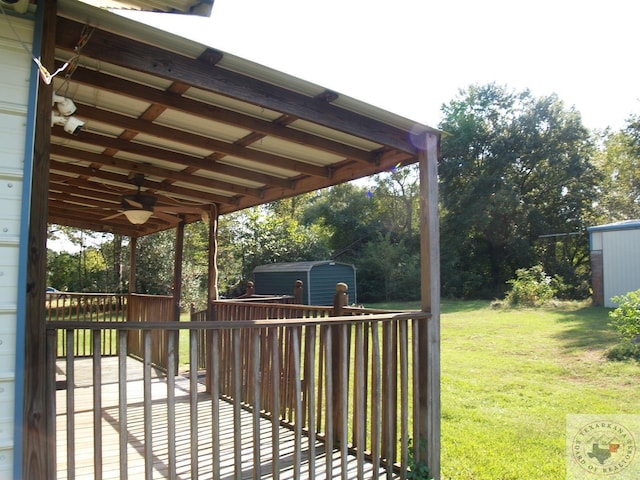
(412, 56)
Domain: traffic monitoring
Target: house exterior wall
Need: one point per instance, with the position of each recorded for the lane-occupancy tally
(615, 250)
(14, 112)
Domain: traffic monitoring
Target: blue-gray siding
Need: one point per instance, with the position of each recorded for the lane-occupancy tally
(319, 280)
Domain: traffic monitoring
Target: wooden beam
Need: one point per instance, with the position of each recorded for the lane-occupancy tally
(429, 330)
(160, 154)
(128, 53)
(160, 98)
(205, 143)
(129, 166)
(342, 173)
(38, 460)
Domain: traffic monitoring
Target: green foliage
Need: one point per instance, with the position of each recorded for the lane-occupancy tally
(346, 213)
(418, 469)
(626, 318)
(154, 267)
(619, 164)
(531, 287)
(625, 350)
(388, 270)
(515, 168)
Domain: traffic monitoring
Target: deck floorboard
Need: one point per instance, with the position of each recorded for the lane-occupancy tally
(84, 441)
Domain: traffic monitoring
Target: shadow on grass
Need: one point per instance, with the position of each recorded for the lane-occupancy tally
(587, 328)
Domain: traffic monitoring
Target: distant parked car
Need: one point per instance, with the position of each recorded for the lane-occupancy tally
(52, 290)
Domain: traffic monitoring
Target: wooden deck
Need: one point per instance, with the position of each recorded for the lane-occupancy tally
(84, 432)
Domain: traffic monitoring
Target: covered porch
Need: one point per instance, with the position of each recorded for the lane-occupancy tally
(178, 132)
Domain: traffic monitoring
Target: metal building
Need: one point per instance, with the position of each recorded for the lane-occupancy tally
(319, 280)
(615, 260)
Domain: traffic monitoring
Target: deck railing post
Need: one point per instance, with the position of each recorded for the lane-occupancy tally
(339, 356)
(298, 293)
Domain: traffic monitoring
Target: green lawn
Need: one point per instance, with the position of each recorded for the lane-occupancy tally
(509, 379)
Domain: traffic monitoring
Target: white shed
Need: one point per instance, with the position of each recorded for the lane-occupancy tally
(615, 260)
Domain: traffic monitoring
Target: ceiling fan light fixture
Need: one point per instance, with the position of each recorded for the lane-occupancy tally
(138, 217)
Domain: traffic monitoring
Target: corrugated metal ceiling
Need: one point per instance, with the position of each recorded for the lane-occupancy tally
(204, 128)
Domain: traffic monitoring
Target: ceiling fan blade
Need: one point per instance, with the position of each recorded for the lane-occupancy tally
(167, 218)
(130, 202)
(112, 216)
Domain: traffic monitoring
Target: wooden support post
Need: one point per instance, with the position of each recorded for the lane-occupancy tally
(38, 457)
(133, 248)
(177, 281)
(212, 292)
(340, 300)
(428, 430)
(298, 293)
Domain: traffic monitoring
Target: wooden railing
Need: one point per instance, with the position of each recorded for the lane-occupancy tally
(87, 307)
(346, 381)
(106, 307)
(151, 308)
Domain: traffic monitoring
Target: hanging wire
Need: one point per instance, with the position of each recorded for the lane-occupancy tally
(45, 75)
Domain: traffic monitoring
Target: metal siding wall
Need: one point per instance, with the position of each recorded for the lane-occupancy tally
(14, 100)
(324, 279)
(621, 263)
(279, 283)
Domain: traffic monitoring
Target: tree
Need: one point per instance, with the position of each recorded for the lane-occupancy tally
(514, 168)
(259, 237)
(348, 213)
(155, 262)
(619, 163)
(396, 194)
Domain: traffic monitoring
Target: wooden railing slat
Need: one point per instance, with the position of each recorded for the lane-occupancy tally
(215, 407)
(171, 401)
(344, 397)
(122, 407)
(275, 419)
(295, 347)
(277, 367)
(257, 381)
(328, 438)
(237, 400)
(97, 405)
(359, 414)
(193, 400)
(404, 396)
(148, 423)
(71, 408)
(311, 387)
(376, 399)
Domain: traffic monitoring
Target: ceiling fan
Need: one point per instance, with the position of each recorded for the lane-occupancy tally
(139, 206)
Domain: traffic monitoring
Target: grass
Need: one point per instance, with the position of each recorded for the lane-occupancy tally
(510, 377)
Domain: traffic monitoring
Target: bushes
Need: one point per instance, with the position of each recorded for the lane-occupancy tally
(532, 287)
(626, 320)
